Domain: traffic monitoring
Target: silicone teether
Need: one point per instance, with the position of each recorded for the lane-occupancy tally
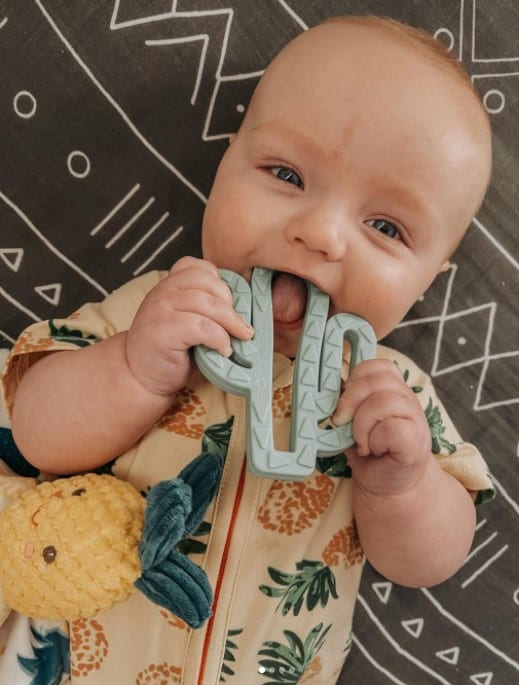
(317, 380)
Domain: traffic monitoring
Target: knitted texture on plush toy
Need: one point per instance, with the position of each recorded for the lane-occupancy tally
(69, 548)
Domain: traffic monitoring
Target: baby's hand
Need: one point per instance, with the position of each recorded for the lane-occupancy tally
(191, 306)
(393, 441)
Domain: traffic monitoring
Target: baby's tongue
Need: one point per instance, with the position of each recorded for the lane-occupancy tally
(288, 298)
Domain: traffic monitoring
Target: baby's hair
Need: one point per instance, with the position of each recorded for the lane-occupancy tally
(431, 47)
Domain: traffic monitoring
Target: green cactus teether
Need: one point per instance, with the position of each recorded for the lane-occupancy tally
(317, 380)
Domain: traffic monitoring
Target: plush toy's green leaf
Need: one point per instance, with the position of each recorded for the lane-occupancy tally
(203, 475)
(180, 586)
(175, 509)
(167, 507)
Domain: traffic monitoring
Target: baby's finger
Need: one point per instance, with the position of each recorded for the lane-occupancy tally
(378, 408)
(212, 309)
(373, 379)
(375, 366)
(194, 263)
(201, 275)
(192, 328)
(401, 438)
(204, 291)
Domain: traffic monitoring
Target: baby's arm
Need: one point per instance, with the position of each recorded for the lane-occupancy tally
(415, 521)
(74, 411)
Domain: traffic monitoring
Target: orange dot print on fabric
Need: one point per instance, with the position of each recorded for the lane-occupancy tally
(292, 506)
(281, 403)
(344, 548)
(183, 417)
(28, 342)
(88, 647)
(174, 621)
(159, 674)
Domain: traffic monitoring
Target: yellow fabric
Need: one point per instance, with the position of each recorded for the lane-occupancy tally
(259, 530)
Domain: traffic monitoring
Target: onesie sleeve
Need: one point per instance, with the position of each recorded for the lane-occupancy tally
(91, 323)
(461, 459)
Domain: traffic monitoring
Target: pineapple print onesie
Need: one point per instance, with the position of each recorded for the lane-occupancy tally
(283, 558)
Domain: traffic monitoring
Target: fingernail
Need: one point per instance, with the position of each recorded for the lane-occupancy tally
(228, 352)
(340, 419)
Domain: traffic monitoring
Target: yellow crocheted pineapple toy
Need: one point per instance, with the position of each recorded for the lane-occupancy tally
(72, 547)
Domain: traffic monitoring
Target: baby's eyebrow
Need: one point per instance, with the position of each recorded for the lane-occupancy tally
(278, 132)
(409, 199)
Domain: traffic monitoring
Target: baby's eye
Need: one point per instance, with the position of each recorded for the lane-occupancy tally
(385, 227)
(286, 174)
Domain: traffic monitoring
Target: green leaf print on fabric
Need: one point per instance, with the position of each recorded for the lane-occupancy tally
(74, 336)
(483, 496)
(434, 419)
(286, 664)
(335, 467)
(313, 584)
(51, 660)
(228, 655)
(106, 468)
(414, 388)
(216, 438)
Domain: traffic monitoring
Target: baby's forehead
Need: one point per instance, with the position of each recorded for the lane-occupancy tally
(336, 62)
(377, 50)
(334, 41)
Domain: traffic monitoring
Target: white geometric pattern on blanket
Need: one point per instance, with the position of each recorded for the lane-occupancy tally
(133, 217)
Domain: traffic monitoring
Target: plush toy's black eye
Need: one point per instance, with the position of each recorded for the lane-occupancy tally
(79, 492)
(49, 554)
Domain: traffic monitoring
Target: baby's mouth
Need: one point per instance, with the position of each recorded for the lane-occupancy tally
(288, 299)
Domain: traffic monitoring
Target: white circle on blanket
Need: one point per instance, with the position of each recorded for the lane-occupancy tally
(78, 164)
(24, 104)
(497, 97)
(447, 33)
(516, 596)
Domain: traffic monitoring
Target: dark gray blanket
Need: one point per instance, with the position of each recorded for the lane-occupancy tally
(114, 115)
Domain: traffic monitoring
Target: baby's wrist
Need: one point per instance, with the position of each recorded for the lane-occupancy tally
(406, 480)
(151, 389)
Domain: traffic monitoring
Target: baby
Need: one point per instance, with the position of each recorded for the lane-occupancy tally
(363, 156)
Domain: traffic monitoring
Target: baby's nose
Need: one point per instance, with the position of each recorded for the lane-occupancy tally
(320, 231)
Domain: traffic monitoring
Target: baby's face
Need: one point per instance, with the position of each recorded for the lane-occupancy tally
(358, 167)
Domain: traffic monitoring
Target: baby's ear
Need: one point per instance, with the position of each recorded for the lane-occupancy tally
(445, 266)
